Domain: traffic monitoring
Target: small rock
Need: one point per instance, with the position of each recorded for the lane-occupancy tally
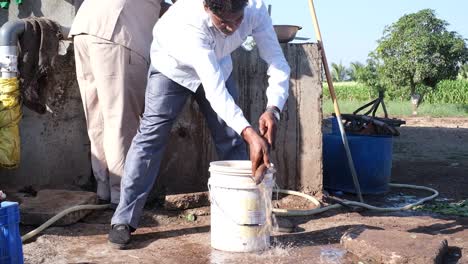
(202, 211)
(191, 217)
(186, 201)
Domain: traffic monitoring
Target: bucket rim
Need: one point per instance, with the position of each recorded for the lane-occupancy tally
(235, 183)
(236, 167)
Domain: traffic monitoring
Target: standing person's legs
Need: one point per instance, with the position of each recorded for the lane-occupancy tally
(229, 145)
(92, 111)
(120, 77)
(163, 102)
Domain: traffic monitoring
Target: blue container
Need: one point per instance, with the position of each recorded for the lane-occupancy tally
(11, 247)
(372, 156)
(335, 127)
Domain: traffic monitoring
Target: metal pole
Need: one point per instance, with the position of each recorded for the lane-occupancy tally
(335, 101)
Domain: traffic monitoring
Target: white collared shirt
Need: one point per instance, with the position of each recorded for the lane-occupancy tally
(189, 50)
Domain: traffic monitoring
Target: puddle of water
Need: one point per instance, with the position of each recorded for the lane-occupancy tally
(279, 252)
(332, 256)
(283, 254)
(276, 252)
(401, 200)
(272, 255)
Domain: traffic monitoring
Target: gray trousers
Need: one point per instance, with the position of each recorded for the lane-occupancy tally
(164, 101)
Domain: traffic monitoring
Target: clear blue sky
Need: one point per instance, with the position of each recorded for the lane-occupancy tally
(350, 29)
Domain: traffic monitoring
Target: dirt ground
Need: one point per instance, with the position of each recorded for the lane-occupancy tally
(430, 151)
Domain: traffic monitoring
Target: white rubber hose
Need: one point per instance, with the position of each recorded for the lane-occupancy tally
(289, 212)
(60, 215)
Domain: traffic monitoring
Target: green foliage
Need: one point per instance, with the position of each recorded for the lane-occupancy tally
(396, 108)
(370, 75)
(350, 91)
(355, 70)
(418, 50)
(339, 72)
(448, 91)
(460, 208)
(463, 72)
(398, 94)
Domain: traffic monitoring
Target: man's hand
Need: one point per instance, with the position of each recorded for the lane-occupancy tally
(267, 126)
(258, 148)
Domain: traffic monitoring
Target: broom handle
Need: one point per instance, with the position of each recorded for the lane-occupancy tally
(335, 101)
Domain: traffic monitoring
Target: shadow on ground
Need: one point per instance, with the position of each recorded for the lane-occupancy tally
(143, 240)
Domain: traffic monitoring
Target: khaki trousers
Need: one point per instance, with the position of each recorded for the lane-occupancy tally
(112, 80)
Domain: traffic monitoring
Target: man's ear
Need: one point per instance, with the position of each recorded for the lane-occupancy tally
(206, 6)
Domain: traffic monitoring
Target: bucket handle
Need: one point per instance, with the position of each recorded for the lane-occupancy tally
(213, 201)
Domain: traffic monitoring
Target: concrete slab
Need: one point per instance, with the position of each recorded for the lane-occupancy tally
(48, 203)
(394, 247)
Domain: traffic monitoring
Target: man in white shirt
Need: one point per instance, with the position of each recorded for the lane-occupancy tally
(190, 56)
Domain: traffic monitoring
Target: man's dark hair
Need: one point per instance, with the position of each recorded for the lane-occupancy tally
(226, 6)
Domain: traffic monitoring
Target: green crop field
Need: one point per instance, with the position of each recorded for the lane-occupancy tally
(401, 108)
(449, 99)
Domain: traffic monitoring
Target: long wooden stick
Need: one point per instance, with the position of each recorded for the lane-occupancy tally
(335, 101)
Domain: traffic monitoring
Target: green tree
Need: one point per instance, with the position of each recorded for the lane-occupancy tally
(371, 74)
(339, 72)
(354, 71)
(418, 50)
(463, 73)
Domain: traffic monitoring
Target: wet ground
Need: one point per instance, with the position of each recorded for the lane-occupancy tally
(175, 240)
(430, 152)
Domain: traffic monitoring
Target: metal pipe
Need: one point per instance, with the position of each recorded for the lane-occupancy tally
(335, 101)
(10, 31)
(9, 34)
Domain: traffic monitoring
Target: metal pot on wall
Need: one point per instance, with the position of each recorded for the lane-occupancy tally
(286, 33)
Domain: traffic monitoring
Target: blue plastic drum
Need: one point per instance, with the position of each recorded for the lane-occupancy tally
(372, 156)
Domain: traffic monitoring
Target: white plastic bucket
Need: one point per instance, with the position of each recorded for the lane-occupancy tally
(238, 209)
